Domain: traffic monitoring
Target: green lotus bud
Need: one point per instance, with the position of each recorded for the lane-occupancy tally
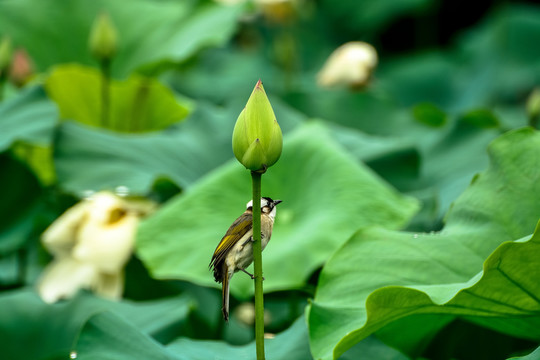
(5, 54)
(103, 38)
(257, 139)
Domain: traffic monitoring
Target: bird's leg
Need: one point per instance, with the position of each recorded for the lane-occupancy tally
(250, 274)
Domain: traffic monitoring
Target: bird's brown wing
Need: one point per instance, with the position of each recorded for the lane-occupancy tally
(238, 229)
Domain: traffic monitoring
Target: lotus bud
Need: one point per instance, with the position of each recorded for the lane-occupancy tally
(257, 139)
(5, 54)
(103, 38)
(349, 65)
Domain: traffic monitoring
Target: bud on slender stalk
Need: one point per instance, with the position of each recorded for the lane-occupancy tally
(257, 138)
(103, 38)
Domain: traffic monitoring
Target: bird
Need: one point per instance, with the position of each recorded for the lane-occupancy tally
(235, 250)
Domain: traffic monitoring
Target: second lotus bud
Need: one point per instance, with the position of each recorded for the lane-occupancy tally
(103, 38)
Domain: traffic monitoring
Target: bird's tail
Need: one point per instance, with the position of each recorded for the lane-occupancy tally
(225, 293)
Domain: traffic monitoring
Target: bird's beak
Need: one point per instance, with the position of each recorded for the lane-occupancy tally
(277, 201)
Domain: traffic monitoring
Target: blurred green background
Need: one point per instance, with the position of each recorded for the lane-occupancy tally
(409, 203)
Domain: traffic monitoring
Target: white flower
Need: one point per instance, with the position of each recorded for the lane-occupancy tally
(349, 65)
(91, 242)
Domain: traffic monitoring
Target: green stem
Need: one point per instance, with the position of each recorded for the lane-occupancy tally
(257, 264)
(105, 92)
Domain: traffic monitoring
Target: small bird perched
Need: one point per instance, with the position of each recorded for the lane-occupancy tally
(235, 250)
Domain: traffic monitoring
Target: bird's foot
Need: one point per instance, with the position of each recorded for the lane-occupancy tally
(250, 274)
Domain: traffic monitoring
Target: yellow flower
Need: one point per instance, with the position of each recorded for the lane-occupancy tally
(91, 242)
(349, 65)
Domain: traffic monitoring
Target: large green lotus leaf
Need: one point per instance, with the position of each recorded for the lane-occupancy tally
(52, 329)
(137, 104)
(150, 32)
(89, 158)
(326, 195)
(29, 116)
(398, 274)
(107, 336)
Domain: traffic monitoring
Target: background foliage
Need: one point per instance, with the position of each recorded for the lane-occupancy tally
(409, 222)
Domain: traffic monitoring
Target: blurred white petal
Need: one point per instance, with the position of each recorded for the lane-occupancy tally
(60, 237)
(63, 278)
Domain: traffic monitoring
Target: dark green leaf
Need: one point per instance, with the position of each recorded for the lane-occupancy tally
(52, 329)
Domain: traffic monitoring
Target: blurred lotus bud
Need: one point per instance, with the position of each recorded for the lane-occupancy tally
(22, 68)
(349, 65)
(533, 107)
(103, 38)
(257, 139)
(91, 242)
(5, 55)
